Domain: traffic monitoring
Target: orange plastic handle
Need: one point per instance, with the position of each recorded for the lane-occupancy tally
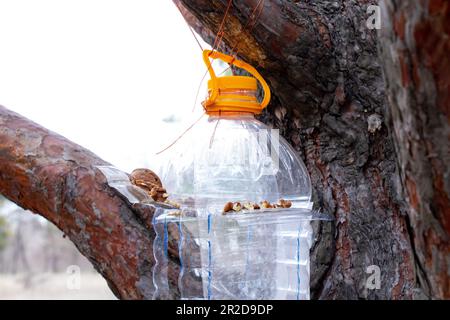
(207, 54)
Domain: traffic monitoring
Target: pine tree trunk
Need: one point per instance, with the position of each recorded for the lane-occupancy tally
(376, 147)
(415, 51)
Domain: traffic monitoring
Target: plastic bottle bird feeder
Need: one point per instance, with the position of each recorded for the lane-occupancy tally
(237, 224)
(232, 237)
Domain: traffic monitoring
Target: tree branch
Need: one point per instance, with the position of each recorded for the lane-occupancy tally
(47, 174)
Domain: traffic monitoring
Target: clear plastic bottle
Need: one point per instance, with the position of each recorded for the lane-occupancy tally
(229, 156)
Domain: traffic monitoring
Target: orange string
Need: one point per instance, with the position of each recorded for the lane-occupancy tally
(253, 18)
(214, 132)
(195, 37)
(198, 90)
(217, 41)
(220, 32)
(185, 131)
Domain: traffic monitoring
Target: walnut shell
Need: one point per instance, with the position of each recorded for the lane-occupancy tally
(228, 207)
(284, 203)
(145, 178)
(237, 206)
(266, 204)
(150, 182)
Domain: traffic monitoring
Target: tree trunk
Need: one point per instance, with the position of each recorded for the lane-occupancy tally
(329, 101)
(416, 60)
(322, 63)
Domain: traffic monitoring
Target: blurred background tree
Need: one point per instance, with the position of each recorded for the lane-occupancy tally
(34, 257)
(4, 229)
(4, 233)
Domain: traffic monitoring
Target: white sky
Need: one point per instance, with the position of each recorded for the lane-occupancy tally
(103, 73)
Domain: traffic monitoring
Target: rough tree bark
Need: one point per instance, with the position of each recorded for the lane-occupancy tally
(322, 64)
(415, 52)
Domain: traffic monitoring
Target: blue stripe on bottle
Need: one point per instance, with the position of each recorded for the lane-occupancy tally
(166, 238)
(247, 262)
(298, 264)
(209, 270)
